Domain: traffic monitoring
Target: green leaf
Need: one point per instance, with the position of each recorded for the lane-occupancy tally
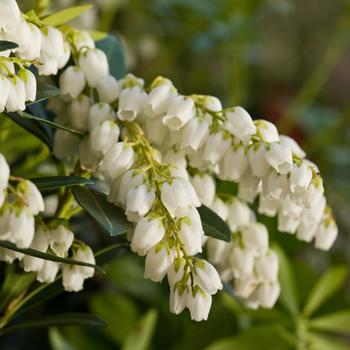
(26, 115)
(113, 49)
(57, 341)
(213, 225)
(33, 127)
(320, 342)
(66, 319)
(7, 45)
(325, 287)
(46, 256)
(142, 334)
(289, 295)
(54, 182)
(97, 35)
(44, 92)
(64, 16)
(111, 218)
(338, 322)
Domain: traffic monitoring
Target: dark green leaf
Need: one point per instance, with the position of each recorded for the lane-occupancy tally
(57, 340)
(66, 319)
(213, 225)
(111, 218)
(113, 49)
(50, 123)
(33, 127)
(338, 322)
(289, 295)
(7, 45)
(46, 256)
(54, 182)
(325, 287)
(66, 15)
(320, 342)
(44, 92)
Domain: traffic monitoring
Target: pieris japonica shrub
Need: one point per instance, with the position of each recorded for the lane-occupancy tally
(157, 156)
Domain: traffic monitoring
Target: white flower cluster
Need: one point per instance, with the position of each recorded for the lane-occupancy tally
(18, 207)
(41, 46)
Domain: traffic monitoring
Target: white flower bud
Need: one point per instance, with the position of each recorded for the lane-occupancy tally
(175, 157)
(158, 100)
(72, 81)
(21, 227)
(307, 229)
(279, 157)
(238, 214)
(78, 112)
(130, 103)
(32, 197)
(29, 84)
(249, 186)
(267, 131)
(177, 301)
(287, 223)
(207, 277)
(9, 256)
(240, 124)
(148, 233)
(157, 263)
(89, 160)
(65, 144)
(32, 50)
(266, 267)
(216, 146)
(9, 15)
(255, 237)
(199, 305)
(292, 144)
(4, 173)
(104, 135)
(195, 133)
(291, 207)
(181, 111)
(233, 164)
(100, 112)
(117, 160)
(204, 185)
(326, 234)
(244, 287)
(268, 206)
(268, 294)
(300, 177)
(5, 91)
(140, 200)
(275, 186)
(256, 156)
(60, 240)
(241, 261)
(220, 208)
(176, 272)
(108, 89)
(48, 271)
(94, 64)
(5, 233)
(218, 251)
(156, 131)
(314, 192)
(83, 39)
(17, 95)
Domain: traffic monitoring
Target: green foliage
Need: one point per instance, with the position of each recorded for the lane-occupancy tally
(55, 182)
(7, 45)
(64, 16)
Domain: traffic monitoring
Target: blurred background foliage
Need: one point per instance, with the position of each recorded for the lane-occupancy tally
(283, 60)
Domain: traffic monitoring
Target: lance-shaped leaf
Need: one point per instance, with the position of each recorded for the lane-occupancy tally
(213, 225)
(7, 45)
(325, 287)
(318, 341)
(111, 218)
(64, 319)
(54, 182)
(66, 15)
(44, 92)
(338, 322)
(46, 256)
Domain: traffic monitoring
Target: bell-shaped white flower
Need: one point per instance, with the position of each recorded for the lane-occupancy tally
(249, 186)
(94, 64)
(65, 144)
(61, 239)
(31, 50)
(279, 157)
(100, 112)
(195, 133)
(314, 192)
(48, 271)
(158, 100)
(78, 111)
(176, 272)
(267, 131)
(10, 15)
(292, 144)
(9, 256)
(207, 277)
(104, 135)
(326, 234)
(307, 229)
(108, 89)
(220, 208)
(140, 200)
(255, 237)
(290, 206)
(300, 177)
(72, 81)
(287, 223)
(205, 187)
(117, 160)
(268, 294)
(157, 263)
(21, 227)
(240, 124)
(266, 267)
(83, 39)
(244, 287)
(5, 233)
(275, 186)
(178, 194)
(238, 214)
(4, 172)
(148, 233)
(175, 157)
(268, 206)
(178, 300)
(130, 103)
(199, 305)
(181, 111)
(155, 130)
(29, 84)
(256, 156)
(40, 243)
(89, 159)
(233, 164)
(216, 146)
(17, 95)
(218, 251)
(241, 261)
(32, 197)
(5, 91)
